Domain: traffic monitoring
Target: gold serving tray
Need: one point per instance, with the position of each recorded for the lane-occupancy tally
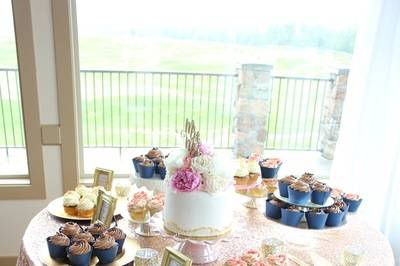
(56, 209)
(126, 256)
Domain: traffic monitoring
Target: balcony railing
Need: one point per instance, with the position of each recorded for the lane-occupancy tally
(128, 109)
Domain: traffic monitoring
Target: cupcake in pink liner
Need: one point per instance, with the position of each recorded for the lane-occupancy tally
(251, 257)
(155, 205)
(137, 209)
(235, 262)
(276, 260)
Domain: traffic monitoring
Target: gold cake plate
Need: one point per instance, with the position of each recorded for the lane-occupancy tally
(56, 209)
(125, 257)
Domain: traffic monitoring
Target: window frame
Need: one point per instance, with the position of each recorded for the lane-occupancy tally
(30, 106)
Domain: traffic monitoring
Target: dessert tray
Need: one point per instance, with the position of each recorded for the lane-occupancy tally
(125, 257)
(56, 209)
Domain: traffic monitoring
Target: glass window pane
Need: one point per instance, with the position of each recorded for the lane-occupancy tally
(13, 158)
(148, 65)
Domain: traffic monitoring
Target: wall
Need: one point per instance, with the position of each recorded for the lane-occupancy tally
(16, 214)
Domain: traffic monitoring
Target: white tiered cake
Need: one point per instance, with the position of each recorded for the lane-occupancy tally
(199, 191)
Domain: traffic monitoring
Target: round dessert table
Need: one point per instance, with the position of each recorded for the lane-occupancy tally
(251, 228)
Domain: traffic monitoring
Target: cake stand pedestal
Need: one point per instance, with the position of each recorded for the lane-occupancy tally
(146, 228)
(258, 190)
(201, 252)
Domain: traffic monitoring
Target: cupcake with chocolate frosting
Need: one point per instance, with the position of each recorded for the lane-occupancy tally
(335, 216)
(299, 192)
(84, 235)
(97, 229)
(57, 245)
(316, 218)
(273, 208)
(307, 178)
(291, 216)
(118, 235)
(105, 248)
(79, 253)
(136, 160)
(146, 169)
(70, 229)
(162, 170)
(154, 153)
(320, 193)
(283, 184)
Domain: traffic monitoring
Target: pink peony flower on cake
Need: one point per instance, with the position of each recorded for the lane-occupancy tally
(185, 180)
(206, 149)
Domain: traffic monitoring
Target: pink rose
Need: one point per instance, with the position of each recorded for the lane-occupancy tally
(206, 149)
(185, 180)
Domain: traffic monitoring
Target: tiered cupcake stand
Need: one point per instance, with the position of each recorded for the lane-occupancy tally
(306, 207)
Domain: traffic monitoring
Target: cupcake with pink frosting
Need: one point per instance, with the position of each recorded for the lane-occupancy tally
(251, 257)
(235, 262)
(353, 200)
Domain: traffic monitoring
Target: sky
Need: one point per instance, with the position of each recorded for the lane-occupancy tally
(122, 15)
(225, 14)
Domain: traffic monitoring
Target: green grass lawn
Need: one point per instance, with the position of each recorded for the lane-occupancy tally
(121, 110)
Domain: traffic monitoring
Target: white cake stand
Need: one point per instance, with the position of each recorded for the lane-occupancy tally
(201, 251)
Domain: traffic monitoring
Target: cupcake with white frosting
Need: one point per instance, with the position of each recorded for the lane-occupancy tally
(85, 207)
(70, 202)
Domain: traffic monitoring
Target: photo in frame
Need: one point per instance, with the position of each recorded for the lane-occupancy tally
(172, 257)
(103, 177)
(105, 208)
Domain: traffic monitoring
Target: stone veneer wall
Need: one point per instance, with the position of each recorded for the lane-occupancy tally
(332, 114)
(252, 109)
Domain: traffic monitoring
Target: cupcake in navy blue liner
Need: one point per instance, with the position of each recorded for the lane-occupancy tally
(156, 162)
(316, 218)
(146, 169)
(84, 235)
(273, 208)
(353, 200)
(162, 171)
(96, 229)
(105, 248)
(79, 253)
(119, 237)
(335, 216)
(299, 192)
(283, 184)
(320, 193)
(336, 194)
(57, 245)
(154, 153)
(136, 161)
(70, 229)
(343, 207)
(270, 167)
(308, 178)
(291, 216)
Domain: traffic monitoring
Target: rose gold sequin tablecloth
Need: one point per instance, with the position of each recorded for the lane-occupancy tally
(254, 226)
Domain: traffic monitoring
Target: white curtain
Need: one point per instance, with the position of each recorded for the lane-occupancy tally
(367, 158)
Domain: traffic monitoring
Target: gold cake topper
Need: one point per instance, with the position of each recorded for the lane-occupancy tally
(192, 138)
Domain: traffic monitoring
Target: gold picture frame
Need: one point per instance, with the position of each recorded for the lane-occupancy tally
(103, 177)
(172, 257)
(105, 208)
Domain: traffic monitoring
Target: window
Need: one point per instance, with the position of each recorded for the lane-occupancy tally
(21, 162)
(13, 158)
(143, 70)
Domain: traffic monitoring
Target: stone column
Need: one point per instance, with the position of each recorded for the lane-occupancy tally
(252, 109)
(332, 114)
